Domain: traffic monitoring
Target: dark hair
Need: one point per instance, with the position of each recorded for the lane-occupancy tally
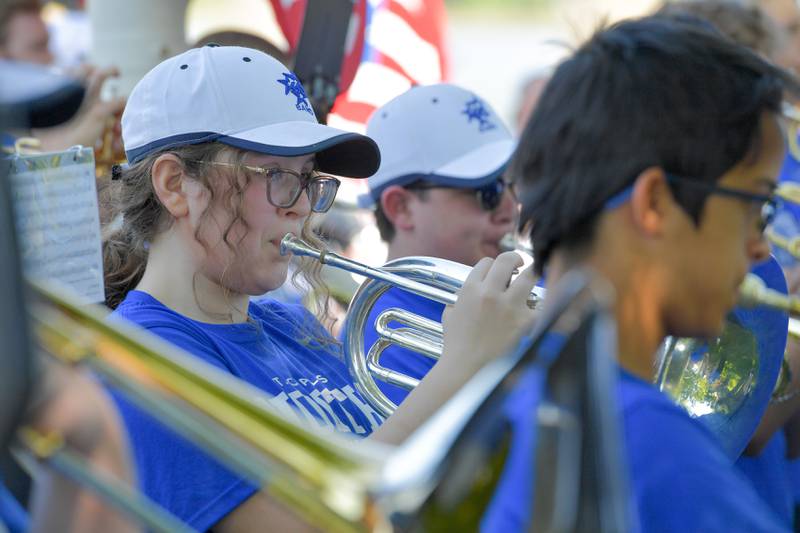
(747, 25)
(642, 93)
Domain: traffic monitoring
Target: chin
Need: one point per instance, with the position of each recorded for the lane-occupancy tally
(267, 282)
(703, 326)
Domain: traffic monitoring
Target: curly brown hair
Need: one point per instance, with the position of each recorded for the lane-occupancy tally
(137, 216)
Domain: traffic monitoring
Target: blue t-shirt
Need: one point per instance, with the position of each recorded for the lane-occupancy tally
(12, 515)
(394, 357)
(771, 477)
(277, 353)
(680, 479)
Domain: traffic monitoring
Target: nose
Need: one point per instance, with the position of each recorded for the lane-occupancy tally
(300, 209)
(506, 210)
(758, 248)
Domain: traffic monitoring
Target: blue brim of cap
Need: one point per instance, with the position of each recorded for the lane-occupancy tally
(338, 152)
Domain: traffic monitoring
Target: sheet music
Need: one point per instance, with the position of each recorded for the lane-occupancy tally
(58, 221)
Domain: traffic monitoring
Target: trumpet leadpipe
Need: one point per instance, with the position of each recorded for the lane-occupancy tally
(292, 245)
(295, 246)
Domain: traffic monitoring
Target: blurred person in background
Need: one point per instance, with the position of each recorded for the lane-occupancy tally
(747, 25)
(23, 33)
(440, 191)
(24, 38)
(529, 95)
(786, 14)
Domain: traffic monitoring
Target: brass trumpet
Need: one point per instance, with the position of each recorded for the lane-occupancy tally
(429, 277)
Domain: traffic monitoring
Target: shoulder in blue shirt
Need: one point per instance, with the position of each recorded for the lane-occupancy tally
(679, 477)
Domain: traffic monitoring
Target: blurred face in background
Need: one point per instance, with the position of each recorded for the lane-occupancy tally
(26, 39)
(450, 223)
(786, 15)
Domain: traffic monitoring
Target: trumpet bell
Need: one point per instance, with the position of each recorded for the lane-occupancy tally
(727, 382)
(416, 333)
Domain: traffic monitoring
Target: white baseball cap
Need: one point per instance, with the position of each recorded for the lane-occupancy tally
(239, 97)
(441, 134)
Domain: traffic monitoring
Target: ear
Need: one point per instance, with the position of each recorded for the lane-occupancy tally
(651, 201)
(167, 175)
(395, 202)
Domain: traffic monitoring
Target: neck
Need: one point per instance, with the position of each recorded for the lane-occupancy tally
(640, 329)
(171, 278)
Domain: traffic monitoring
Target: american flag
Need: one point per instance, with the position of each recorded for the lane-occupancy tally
(393, 44)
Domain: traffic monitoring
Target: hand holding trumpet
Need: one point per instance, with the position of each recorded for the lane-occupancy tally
(491, 312)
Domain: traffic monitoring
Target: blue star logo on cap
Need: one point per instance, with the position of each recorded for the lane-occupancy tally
(476, 110)
(293, 86)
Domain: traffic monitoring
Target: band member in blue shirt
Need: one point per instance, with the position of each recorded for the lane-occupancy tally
(440, 191)
(652, 158)
(225, 158)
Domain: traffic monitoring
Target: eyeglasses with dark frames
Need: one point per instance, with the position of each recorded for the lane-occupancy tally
(284, 186)
(770, 203)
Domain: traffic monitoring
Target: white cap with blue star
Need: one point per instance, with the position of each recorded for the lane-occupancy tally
(239, 97)
(441, 134)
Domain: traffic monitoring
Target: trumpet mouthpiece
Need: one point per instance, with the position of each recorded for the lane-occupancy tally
(290, 244)
(287, 244)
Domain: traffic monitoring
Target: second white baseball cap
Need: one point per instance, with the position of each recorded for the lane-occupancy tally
(441, 134)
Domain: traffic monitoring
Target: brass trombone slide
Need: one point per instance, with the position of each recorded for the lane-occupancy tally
(50, 449)
(321, 477)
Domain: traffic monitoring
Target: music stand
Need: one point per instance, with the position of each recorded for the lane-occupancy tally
(318, 62)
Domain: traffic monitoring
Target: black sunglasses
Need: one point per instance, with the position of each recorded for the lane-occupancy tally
(489, 196)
